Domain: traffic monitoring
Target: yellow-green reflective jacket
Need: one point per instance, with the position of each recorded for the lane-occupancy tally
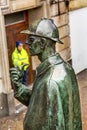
(20, 57)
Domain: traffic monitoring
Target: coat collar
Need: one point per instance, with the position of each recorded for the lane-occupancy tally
(16, 50)
(50, 61)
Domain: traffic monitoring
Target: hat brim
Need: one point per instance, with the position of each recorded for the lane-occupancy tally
(25, 32)
(39, 35)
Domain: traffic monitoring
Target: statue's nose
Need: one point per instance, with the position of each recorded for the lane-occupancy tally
(26, 41)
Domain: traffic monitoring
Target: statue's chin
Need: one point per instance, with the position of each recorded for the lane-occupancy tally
(33, 54)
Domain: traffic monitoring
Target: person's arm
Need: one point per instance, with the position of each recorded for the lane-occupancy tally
(26, 60)
(15, 60)
(21, 92)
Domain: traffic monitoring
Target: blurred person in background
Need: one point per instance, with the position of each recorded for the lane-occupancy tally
(20, 59)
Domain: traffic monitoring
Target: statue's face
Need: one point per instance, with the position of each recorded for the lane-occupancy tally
(34, 44)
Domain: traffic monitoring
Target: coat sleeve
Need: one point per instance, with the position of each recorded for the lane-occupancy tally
(26, 60)
(22, 93)
(55, 106)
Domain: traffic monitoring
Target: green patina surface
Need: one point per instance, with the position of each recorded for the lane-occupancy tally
(53, 103)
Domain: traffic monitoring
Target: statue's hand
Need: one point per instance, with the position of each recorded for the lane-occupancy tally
(16, 75)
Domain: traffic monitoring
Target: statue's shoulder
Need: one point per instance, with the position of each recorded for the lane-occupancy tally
(59, 72)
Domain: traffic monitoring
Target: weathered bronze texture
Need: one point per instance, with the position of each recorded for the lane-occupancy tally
(53, 103)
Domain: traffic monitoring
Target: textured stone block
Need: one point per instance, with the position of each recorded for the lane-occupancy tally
(66, 54)
(1, 88)
(61, 20)
(7, 106)
(61, 47)
(3, 2)
(54, 8)
(41, 11)
(77, 4)
(21, 4)
(64, 31)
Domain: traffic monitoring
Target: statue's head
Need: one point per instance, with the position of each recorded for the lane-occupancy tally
(40, 32)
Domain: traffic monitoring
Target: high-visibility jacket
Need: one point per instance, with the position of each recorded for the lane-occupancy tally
(18, 58)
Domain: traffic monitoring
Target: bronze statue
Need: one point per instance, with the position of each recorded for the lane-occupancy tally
(53, 103)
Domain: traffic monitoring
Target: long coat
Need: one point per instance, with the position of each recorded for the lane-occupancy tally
(54, 102)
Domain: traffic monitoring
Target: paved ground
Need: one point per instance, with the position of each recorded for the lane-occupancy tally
(12, 123)
(82, 81)
(16, 122)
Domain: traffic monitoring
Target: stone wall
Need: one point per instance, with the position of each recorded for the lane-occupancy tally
(0, 72)
(61, 19)
(3, 2)
(76, 4)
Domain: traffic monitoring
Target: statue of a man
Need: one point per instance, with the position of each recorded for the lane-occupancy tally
(53, 103)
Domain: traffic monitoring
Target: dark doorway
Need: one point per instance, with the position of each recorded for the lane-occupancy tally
(14, 24)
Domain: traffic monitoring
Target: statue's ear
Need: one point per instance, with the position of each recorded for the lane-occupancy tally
(43, 43)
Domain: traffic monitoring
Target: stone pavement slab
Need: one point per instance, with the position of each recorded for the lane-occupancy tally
(82, 82)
